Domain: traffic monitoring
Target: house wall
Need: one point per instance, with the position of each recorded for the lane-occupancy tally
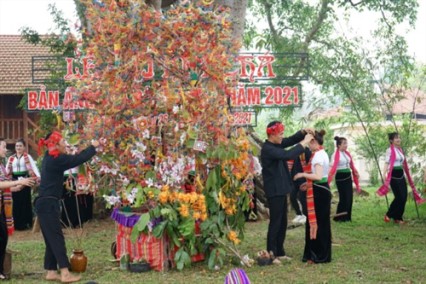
(12, 119)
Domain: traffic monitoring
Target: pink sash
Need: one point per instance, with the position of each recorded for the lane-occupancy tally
(384, 189)
(334, 169)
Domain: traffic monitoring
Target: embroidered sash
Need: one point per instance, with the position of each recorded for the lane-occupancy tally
(6, 198)
(310, 203)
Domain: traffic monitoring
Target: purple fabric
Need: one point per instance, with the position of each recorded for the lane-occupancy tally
(125, 219)
(237, 276)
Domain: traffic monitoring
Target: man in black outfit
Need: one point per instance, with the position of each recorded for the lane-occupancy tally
(55, 162)
(277, 181)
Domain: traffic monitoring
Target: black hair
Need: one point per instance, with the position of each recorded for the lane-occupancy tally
(339, 140)
(21, 141)
(392, 136)
(319, 136)
(2, 140)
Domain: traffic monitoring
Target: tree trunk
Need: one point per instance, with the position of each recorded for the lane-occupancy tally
(238, 15)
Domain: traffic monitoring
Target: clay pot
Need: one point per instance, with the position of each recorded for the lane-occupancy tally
(78, 261)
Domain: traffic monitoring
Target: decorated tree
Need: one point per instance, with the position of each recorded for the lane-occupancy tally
(158, 93)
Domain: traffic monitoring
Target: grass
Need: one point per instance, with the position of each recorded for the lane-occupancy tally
(367, 250)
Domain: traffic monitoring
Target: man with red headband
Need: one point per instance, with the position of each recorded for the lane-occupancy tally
(277, 181)
(55, 162)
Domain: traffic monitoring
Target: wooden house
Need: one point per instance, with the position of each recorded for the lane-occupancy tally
(15, 77)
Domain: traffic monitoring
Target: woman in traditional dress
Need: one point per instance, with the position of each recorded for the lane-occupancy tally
(6, 217)
(21, 165)
(318, 199)
(394, 169)
(343, 169)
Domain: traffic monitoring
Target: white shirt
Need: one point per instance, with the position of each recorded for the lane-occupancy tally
(321, 158)
(399, 157)
(18, 165)
(344, 161)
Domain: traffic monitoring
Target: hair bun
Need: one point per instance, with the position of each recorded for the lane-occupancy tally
(336, 138)
(322, 132)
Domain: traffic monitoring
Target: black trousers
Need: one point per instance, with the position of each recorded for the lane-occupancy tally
(294, 200)
(3, 240)
(319, 250)
(346, 196)
(277, 225)
(22, 207)
(49, 214)
(399, 189)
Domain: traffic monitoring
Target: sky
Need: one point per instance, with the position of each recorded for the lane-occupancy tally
(15, 14)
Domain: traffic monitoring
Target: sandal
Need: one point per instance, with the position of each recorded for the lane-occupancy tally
(2, 277)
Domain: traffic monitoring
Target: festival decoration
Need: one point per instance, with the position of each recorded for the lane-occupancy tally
(159, 107)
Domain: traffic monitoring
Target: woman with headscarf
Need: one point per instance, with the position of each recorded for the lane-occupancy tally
(343, 169)
(47, 204)
(20, 165)
(318, 201)
(6, 217)
(396, 170)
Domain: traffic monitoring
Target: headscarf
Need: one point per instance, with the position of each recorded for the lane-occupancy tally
(275, 129)
(51, 142)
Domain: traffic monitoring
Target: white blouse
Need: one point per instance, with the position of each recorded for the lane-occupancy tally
(344, 161)
(321, 158)
(18, 165)
(399, 157)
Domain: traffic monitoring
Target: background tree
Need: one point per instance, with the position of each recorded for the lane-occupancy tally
(342, 68)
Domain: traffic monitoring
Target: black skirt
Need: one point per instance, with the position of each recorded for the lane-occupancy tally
(344, 187)
(22, 206)
(319, 250)
(399, 189)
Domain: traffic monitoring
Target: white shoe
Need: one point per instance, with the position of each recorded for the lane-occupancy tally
(284, 258)
(299, 219)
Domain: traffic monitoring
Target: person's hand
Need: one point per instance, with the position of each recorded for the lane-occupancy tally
(308, 138)
(27, 182)
(313, 230)
(16, 188)
(95, 143)
(299, 175)
(303, 186)
(309, 130)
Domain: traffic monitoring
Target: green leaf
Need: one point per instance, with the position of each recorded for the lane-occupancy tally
(139, 227)
(143, 222)
(134, 235)
(186, 258)
(151, 175)
(159, 229)
(212, 259)
(187, 227)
